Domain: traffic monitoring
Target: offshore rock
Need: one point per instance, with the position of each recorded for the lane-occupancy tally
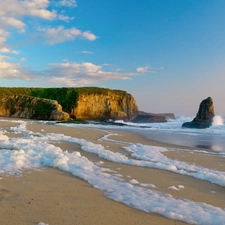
(168, 115)
(31, 108)
(149, 119)
(204, 117)
(144, 117)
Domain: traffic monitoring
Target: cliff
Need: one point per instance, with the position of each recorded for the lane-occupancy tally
(81, 103)
(31, 108)
(105, 105)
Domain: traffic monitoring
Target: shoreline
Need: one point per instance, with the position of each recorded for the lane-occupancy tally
(84, 204)
(203, 142)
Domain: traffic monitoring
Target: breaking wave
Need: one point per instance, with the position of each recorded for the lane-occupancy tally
(217, 121)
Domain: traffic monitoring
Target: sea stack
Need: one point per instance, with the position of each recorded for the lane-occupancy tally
(204, 117)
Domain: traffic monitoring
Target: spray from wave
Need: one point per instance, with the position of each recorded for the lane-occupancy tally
(217, 121)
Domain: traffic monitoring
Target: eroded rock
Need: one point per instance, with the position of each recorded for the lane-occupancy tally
(204, 117)
(31, 108)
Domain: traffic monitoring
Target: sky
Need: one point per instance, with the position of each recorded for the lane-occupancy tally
(169, 54)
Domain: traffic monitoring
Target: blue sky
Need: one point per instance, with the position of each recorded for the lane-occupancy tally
(169, 54)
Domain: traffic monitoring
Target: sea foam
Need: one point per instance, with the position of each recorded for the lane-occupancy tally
(36, 150)
(217, 121)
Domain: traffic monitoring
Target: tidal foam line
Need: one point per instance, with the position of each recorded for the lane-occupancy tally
(35, 150)
(145, 156)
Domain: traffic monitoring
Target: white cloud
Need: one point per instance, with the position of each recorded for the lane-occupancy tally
(61, 74)
(23, 60)
(64, 82)
(7, 50)
(88, 35)
(72, 74)
(142, 69)
(3, 36)
(3, 47)
(17, 8)
(68, 3)
(13, 22)
(65, 18)
(12, 13)
(60, 34)
(15, 14)
(44, 14)
(86, 52)
(4, 57)
(15, 71)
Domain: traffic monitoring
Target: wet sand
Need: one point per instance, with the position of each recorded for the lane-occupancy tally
(58, 198)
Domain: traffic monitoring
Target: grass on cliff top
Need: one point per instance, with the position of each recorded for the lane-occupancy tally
(97, 90)
(14, 91)
(51, 93)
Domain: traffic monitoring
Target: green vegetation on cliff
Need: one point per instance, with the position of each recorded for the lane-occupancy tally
(96, 90)
(4, 91)
(26, 107)
(66, 97)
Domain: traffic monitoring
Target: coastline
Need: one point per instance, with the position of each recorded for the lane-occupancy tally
(57, 197)
(204, 141)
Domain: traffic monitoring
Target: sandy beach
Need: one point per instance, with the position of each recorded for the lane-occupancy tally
(54, 197)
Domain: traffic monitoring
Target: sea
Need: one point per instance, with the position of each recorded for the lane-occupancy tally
(35, 150)
(171, 132)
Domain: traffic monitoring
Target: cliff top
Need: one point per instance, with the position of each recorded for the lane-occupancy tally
(6, 91)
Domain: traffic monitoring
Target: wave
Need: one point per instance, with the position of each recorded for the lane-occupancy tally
(217, 121)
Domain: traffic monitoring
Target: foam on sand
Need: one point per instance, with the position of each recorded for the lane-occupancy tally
(35, 150)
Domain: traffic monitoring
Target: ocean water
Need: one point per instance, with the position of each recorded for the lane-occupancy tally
(171, 132)
(36, 150)
(211, 139)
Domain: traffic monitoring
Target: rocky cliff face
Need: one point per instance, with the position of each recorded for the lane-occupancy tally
(204, 117)
(31, 108)
(89, 103)
(103, 106)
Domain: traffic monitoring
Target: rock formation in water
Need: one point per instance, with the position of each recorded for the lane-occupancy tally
(144, 117)
(149, 119)
(204, 117)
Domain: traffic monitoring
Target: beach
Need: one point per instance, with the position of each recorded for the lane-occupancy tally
(48, 195)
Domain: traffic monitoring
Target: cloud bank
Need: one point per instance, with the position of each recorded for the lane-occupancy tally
(63, 74)
(16, 14)
(42, 17)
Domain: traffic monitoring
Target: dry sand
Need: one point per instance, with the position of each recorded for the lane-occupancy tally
(58, 198)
